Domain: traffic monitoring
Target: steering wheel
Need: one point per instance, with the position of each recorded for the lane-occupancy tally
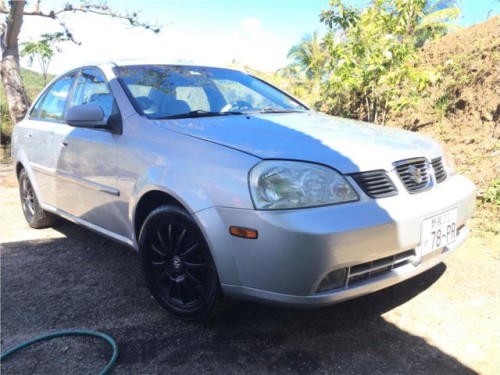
(147, 105)
(237, 105)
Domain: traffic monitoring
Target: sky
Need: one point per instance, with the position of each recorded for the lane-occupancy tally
(257, 33)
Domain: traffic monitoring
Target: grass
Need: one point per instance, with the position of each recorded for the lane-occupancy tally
(442, 105)
(492, 194)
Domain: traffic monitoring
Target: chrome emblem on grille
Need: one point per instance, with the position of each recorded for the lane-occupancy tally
(415, 174)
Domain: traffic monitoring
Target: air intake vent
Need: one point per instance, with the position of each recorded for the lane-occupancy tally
(414, 173)
(366, 271)
(439, 171)
(376, 184)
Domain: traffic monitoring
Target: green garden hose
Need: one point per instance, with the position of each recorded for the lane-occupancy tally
(54, 335)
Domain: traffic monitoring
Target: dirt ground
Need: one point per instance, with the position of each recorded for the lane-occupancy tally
(463, 111)
(445, 321)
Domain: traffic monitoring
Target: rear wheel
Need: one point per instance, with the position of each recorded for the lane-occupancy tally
(178, 266)
(34, 214)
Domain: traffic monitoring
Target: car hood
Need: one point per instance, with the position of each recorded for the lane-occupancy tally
(346, 145)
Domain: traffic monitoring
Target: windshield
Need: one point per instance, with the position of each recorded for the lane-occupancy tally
(171, 91)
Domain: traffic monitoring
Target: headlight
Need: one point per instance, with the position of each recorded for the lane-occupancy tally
(449, 161)
(278, 184)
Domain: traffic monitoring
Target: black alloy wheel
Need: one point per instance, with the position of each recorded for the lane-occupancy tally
(177, 263)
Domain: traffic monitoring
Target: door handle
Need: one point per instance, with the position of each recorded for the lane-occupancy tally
(64, 144)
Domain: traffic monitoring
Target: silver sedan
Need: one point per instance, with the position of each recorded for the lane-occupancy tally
(227, 186)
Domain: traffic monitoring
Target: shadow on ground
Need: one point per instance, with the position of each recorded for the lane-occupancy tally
(84, 281)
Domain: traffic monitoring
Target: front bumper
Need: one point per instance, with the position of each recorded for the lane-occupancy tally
(296, 249)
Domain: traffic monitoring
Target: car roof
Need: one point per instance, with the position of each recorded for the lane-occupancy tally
(110, 64)
(129, 62)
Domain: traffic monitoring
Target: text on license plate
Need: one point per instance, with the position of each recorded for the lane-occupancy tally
(438, 231)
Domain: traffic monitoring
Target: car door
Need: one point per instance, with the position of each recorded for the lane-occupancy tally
(91, 154)
(43, 151)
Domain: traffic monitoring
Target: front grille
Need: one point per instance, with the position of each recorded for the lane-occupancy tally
(439, 171)
(366, 271)
(376, 184)
(414, 174)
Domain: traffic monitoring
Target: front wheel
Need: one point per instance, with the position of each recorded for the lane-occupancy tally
(177, 264)
(34, 214)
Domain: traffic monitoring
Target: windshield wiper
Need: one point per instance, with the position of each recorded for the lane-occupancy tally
(279, 110)
(201, 113)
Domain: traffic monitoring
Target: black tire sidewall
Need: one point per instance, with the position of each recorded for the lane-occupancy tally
(177, 215)
(40, 218)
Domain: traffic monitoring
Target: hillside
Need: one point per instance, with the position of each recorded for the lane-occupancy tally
(463, 111)
(33, 83)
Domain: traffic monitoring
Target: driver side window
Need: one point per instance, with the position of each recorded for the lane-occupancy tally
(91, 88)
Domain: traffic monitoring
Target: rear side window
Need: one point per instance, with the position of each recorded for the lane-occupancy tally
(52, 105)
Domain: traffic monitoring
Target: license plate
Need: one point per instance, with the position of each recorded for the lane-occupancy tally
(438, 231)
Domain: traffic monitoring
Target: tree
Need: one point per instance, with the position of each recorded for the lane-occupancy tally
(309, 58)
(9, 33)
(372, 55)
(437, 19)
(43, 51)
(9, 67)
(418, 19)
(309, 55)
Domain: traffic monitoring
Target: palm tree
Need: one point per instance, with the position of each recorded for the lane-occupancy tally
(308, 68)
(426, 19)
(309, 56)
(438, 18)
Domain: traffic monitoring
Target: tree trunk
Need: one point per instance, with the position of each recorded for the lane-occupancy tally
(367, 106)
(9, 67)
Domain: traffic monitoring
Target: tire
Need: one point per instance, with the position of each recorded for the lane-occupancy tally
(177, 264)
(35, 215)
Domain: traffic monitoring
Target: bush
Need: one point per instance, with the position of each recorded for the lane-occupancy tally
(6, 124)
(492, 194)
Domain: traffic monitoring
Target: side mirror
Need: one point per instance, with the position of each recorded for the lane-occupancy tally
(86, 116)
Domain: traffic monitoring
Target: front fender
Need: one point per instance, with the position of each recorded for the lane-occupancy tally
(197, 174)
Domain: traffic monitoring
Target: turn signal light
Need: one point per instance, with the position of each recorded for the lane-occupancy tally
(244, 232)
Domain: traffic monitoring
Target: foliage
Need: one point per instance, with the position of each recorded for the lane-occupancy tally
(437, 19)
(340, 15)
(442, 104)
(309, 56)
(307, 70)
(98, 7)
(5, 125)
(492, 194)
(373, 56)
(43, 50)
